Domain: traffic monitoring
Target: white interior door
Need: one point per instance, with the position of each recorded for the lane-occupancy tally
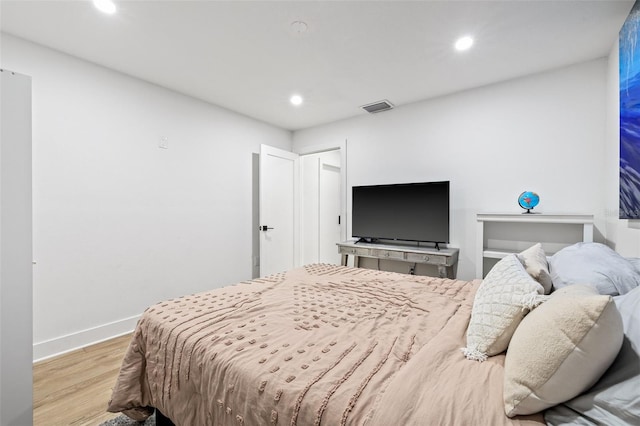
(309, 207)
(16, 251)
(278, 210)
(329, 218)
(320, 214)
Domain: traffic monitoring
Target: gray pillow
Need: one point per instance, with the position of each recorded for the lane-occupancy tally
(635, 261)
(615, 398)
(594, 264)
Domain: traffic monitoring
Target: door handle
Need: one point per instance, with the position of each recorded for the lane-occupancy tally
(264, 228)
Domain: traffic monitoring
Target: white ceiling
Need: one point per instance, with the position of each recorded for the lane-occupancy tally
(244, 56)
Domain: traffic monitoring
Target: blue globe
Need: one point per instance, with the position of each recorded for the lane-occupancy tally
(528, 200)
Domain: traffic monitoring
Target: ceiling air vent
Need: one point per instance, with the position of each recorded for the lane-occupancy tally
(379, 106)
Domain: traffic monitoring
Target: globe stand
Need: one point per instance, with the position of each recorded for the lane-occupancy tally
(528, 200)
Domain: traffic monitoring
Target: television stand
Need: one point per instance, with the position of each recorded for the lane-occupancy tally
(446, 259)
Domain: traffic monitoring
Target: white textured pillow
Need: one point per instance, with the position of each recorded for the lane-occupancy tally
(503, 299)
(561, 349)
(535, 263)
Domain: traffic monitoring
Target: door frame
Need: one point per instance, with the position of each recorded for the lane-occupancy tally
(342, 146)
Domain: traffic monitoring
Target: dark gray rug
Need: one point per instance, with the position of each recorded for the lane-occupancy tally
(123, 420)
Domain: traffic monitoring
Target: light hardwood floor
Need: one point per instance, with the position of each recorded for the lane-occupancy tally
(74, 388)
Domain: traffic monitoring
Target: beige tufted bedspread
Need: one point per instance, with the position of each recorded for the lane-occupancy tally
(322, 344)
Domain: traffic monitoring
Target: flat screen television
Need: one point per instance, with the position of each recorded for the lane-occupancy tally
(404, 212)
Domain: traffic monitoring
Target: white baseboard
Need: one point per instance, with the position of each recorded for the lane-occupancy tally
(80, 339)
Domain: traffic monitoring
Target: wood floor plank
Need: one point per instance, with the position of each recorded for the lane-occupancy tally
(74, 388)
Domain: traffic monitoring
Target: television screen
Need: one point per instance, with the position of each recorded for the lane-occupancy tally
(406, 212)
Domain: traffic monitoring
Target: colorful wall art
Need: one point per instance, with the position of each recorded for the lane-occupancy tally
(630, 115)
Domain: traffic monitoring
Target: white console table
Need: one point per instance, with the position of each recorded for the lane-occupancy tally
(445, 259)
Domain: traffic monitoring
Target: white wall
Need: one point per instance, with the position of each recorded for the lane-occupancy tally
(544, 132)
(623, 235)
(118, 222)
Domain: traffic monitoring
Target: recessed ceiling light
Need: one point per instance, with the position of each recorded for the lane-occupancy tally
(105, 6)
(464, 43)
(296, 100)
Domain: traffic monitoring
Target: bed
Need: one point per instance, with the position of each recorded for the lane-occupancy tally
(318, 345)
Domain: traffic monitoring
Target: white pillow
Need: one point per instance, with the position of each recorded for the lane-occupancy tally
(535, 263)
(503, 299)
(561, 349)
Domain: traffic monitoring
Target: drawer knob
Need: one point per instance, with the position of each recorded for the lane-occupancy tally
(426, 258)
